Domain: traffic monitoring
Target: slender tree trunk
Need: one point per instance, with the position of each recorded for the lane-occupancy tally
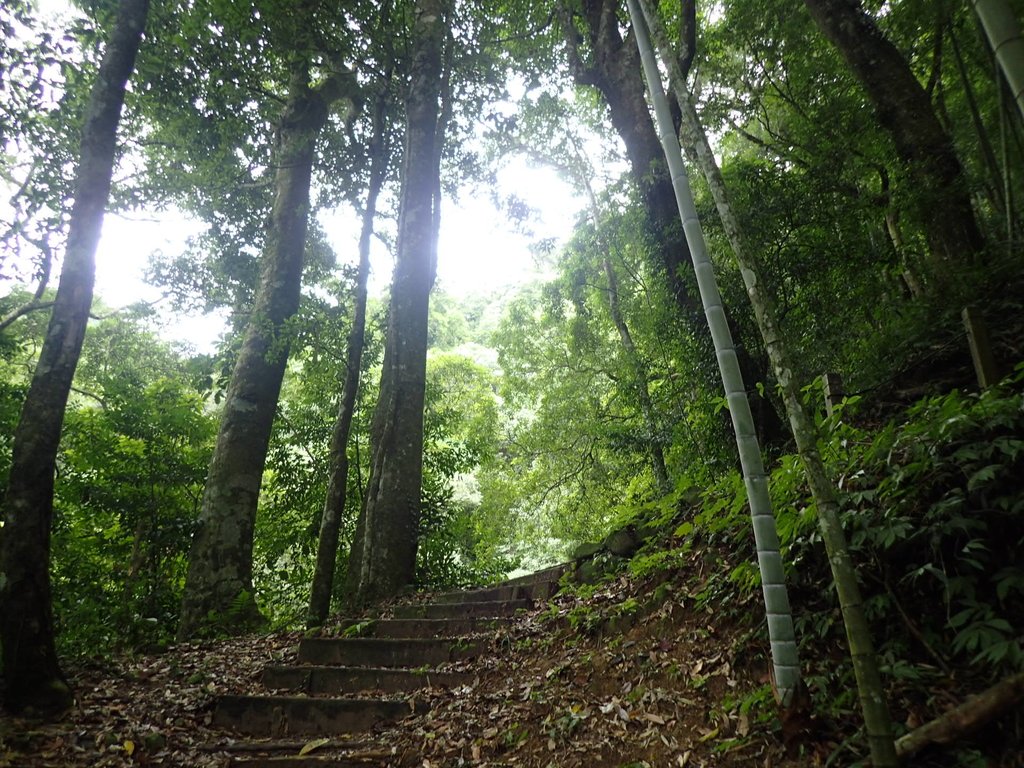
(383, 558)
(904, 110)
(637, 370)
(785, 662)
(1002, 28)
(1004, 130)
(639, 377)
(31, 670)
(865, 663)
(218, 589)
(995, 185)
(908, 271)
(337, 487)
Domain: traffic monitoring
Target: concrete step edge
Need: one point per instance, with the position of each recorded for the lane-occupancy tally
(319, 680)
(495, 609)
(279, 716)
(442, 628)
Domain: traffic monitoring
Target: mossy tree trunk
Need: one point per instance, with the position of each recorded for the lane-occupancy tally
(610, 63)
(218, 589)
(31, 669)
(383, 555)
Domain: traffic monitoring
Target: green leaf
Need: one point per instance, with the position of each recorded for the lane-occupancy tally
(961, 618)
(983, 476)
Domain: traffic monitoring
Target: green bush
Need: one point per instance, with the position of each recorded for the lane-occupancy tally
(932, 505)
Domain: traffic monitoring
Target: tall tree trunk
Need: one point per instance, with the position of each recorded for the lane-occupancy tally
(785, 661)
(869, 680)
(613, 69)
(943, 205)
(31, 670)
(383, 556)
(337, 487)
(218, 589)
(1002, 28)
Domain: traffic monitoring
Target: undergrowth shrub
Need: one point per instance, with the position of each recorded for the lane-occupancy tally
(932, 506)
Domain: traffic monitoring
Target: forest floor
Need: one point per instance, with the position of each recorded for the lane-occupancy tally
(639, 673)
(657, 687)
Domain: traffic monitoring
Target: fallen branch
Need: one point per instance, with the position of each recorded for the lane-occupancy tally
(972, 714)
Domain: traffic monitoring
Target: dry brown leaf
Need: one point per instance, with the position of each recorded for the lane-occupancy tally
(743, 726)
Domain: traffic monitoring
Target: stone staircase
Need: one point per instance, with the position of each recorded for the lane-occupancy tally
(341, 688)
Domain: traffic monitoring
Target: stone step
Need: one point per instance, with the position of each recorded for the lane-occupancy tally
(278, 716)
(461, 610)
(533, 586)
(549, 575)
(333, 753)
(338, 680)
(386, 652)
(483, 595)
(426, 628)
(538, 590)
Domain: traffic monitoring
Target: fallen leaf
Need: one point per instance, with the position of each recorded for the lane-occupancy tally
(743, 726)
(311, 745)
(709, 735)
(129, 747)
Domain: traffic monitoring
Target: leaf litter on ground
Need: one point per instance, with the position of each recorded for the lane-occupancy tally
(642, 682)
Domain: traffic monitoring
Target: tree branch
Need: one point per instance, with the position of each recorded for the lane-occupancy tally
(24, 309)
(35, 303)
